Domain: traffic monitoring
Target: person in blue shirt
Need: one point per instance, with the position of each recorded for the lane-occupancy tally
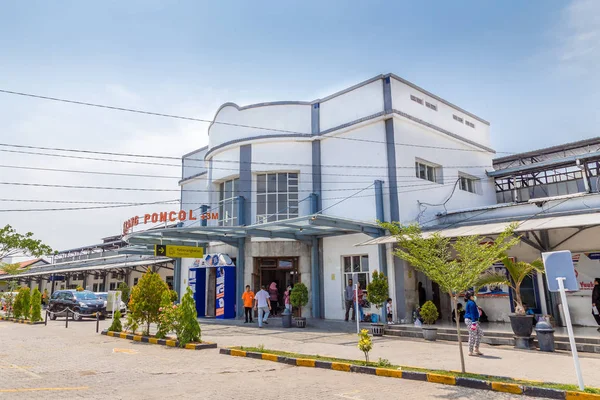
(472, 322)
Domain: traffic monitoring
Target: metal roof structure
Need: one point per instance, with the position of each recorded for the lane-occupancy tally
(89, 265)
(302, 229)
(488, 228)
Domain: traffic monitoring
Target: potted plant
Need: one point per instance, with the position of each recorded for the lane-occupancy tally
(520, 322)
(299, 298)
(429, 314)
(377, 294)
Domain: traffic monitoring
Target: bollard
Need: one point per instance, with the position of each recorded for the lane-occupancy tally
(97, 322)
(46, 320)
(67, 319)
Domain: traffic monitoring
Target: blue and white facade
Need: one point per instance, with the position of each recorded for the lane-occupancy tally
(384, 149)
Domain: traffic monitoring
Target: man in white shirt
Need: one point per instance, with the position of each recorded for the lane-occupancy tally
(262, 303)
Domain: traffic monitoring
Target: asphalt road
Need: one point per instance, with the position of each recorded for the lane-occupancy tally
(57, 363)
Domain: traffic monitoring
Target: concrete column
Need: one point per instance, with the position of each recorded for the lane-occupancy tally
(314, 275)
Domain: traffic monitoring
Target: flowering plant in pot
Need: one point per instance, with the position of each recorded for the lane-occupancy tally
(299, 298)
(377, 294)
(430, 314)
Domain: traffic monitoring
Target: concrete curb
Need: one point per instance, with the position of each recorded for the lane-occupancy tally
(162, 342)
(21, 321)
(513, 388)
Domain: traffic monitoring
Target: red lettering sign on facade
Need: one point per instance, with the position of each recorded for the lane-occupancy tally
(166, 216)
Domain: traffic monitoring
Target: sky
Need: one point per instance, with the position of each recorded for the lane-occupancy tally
(528, 67)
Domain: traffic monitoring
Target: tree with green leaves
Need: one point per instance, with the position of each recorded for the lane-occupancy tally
(456, 265)
(26, 302)
(517, 272)
(124, 289)
(299, 296)
(13, 243)
(115, 326)
(378, 290)
(36, 306)
(145, 301)
(187, 327)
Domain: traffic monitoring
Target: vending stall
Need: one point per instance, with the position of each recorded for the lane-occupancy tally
(224, 301)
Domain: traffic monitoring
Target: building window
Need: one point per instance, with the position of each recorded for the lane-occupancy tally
(113, 275)
(469, 123)
(113, 286)
(427, 171)
(457, 118)
(135, 281)
(467, 184)
(96, 287)
(416, 99)
(356, 268)
(432, 106)
(276, 196)
(228, 193)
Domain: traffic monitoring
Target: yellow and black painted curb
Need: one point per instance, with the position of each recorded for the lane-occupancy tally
(471, 383)
(163, 342)
(21, 321)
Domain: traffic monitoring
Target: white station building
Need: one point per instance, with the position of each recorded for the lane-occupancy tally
(297, 185)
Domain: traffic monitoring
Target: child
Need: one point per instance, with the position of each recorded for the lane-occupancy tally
(248, 298)
(286, 298)
(388, 309)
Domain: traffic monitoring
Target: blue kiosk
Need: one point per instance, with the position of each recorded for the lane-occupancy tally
(225, 299)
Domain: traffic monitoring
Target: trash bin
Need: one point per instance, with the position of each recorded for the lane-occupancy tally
(545, 336)
(286, 319)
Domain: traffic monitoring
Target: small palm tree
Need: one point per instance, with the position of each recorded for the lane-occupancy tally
(517, 272)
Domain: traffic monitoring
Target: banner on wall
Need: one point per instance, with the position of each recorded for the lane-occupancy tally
(587, 267)
(220, 292)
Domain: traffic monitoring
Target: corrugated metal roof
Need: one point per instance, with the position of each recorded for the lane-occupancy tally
(495, 228)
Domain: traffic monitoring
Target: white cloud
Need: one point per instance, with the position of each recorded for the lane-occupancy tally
(579, 34)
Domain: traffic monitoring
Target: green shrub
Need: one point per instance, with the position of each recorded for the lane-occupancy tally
(429, 312)
(145, 301)
(36, 306)
(18, 304)
(116, 323)
(365, 343)
(187, 326)
(299, 296)
(26, 304)
(173, 295)
(384, 363)
(167, 317)
(124, 289)
(378, 289)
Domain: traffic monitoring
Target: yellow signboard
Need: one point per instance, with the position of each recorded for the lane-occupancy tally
(178, 251)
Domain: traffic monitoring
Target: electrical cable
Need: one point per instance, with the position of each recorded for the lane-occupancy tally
(212, 122)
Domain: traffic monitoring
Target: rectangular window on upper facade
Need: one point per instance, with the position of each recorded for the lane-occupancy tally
(276, 196)
(416, 99)
(427, 171)
(457, 118)
(469, 123)
(467, 183)
(228, 193)
(432, 106)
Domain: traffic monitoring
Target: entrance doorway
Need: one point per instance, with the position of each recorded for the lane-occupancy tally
(281, 270)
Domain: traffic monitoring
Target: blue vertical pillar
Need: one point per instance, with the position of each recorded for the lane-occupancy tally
(239, 276)
(203, 212)
(380, 217)
(314, 278)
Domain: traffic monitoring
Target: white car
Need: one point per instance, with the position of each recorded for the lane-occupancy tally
(104, 296)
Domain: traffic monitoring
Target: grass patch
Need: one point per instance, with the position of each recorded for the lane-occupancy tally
(490, 378)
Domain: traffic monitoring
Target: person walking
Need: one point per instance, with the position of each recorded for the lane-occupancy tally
(274, 296)
(262, 303)
(472, 322)
(286, 298)
(348, 298)
(248, 298)
(596, 301)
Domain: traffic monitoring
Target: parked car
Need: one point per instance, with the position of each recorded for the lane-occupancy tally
(104, 297)
(82, 303)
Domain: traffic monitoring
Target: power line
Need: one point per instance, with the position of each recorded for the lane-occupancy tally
(83, 208)
(75, 201)
(175, 177)
(131, 110)
(229, 162)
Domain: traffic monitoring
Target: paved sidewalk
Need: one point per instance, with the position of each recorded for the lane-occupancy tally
(338, 339)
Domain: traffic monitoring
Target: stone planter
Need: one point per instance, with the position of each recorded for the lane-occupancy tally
(522, 325)
(377, 329)
(301, 322)
(429, 333)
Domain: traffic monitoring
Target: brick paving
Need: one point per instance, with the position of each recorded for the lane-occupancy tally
(57, 363)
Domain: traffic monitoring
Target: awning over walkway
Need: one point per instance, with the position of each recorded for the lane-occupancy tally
(301, 228)
(583, 220)
(54, 269)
